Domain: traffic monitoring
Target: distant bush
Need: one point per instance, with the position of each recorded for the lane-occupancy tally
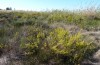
(8, 8)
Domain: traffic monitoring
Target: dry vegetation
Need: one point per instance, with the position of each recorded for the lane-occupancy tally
(48, 38)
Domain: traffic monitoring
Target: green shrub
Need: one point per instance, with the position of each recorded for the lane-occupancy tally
(61, 42)
(57, 46)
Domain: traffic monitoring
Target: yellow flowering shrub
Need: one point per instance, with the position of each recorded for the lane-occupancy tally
(59, 45)
(61, 42)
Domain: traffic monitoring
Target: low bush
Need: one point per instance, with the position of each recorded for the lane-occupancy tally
(59, 47)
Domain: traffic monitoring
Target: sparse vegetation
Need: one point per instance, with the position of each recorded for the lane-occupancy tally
(33, 39)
